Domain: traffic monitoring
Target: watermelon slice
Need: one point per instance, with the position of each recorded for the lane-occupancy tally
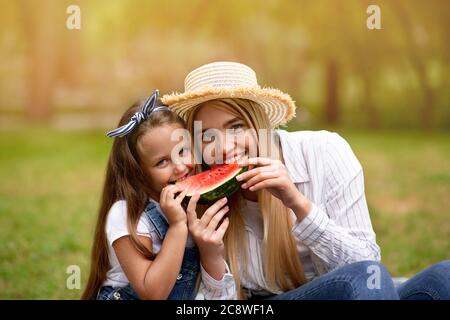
(213, 184)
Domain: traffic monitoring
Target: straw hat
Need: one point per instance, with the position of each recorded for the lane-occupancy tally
(219, 80)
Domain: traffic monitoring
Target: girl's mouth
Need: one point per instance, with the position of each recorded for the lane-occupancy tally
(181, 178)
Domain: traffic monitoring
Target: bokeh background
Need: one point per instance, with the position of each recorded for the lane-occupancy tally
(386, 91)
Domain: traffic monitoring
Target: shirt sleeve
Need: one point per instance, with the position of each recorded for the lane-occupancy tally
(339, 232)
(212, 289)
(116, 223)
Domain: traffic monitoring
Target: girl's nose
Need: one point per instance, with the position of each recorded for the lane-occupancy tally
(180, 168)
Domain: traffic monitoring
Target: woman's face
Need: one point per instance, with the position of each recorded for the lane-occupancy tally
(225, 137)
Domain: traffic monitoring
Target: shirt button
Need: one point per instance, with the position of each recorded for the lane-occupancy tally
(116, 296)
(179, 276)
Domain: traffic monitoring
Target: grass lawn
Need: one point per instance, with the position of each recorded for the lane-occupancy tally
(51, 182)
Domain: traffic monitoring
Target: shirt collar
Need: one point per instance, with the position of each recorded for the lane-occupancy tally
(294, 159)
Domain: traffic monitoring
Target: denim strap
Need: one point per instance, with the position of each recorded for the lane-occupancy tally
(159, 222)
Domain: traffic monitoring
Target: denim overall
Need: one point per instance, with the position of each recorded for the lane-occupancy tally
(184, 288)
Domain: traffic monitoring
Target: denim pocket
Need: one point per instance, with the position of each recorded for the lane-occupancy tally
(125, 293)
(184, 288)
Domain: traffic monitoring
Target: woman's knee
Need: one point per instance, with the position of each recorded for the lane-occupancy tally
(440, 270)
(433, 281)
(370, 280)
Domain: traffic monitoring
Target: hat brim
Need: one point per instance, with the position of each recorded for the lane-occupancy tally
(279, 106)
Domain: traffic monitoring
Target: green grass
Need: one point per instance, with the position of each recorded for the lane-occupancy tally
(51, 182)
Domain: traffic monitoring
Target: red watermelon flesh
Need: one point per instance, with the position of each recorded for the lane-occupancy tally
(213, 184)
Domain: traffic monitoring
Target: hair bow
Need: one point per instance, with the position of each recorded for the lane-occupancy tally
(149, 107)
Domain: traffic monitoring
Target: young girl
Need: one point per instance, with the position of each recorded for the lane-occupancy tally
(130, 260)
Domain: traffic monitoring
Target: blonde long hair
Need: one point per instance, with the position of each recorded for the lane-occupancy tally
(282, 267)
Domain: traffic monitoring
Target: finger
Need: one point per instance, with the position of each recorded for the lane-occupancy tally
(181, 196)
(216, 219)
(260, 177)
(251, 173)
(173, 188)
(257, 161)
(270, 183)
(162, 196)
(169, 193)
(166, 189)
(220, 232)
(191, 214)
(212, 210)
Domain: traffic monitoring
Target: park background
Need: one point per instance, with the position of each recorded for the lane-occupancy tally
(386, 91)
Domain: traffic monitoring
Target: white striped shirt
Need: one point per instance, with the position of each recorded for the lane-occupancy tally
(337, 231)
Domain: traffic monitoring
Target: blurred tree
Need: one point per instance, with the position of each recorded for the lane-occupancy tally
(321, 21)
(320, 50)
(364, 55)
(40, 32)
(425, 39)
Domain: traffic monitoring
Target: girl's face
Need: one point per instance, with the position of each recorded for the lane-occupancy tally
(235, 140)
(155, 149)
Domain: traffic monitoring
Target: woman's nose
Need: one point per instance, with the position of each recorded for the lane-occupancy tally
(228, 147)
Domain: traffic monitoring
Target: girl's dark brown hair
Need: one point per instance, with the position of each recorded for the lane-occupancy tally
(125, 180)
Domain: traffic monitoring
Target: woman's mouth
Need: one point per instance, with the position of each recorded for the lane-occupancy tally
(233, 159)
(236, 158)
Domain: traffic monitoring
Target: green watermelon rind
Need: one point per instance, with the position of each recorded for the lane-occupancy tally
(224, 190)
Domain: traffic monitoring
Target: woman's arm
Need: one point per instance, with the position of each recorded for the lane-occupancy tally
(342, 233)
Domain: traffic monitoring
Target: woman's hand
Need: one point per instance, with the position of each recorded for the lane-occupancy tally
(208, 234)
(171, 205)
(272, 175)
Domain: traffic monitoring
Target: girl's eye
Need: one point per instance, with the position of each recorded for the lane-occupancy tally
(161, 163)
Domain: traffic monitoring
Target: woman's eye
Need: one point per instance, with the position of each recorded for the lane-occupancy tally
(236, 128)
(184, 152)
(208, 137)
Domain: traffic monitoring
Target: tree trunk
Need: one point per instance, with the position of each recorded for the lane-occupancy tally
(368, 104)
(39, 30)
(428, 108)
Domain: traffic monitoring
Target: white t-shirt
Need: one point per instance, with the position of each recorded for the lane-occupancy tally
(116, 227)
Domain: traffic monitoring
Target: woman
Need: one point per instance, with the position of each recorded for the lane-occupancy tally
(300, 227)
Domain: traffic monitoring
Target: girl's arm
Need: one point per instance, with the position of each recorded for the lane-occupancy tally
(156, 279)
(153, 280)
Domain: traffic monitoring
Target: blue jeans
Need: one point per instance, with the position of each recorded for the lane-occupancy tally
(350, 282)
(432, 283)
(356, 282)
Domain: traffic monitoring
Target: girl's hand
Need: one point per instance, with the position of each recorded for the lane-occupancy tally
(272, 175)
(207, 232)
(171, 205)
